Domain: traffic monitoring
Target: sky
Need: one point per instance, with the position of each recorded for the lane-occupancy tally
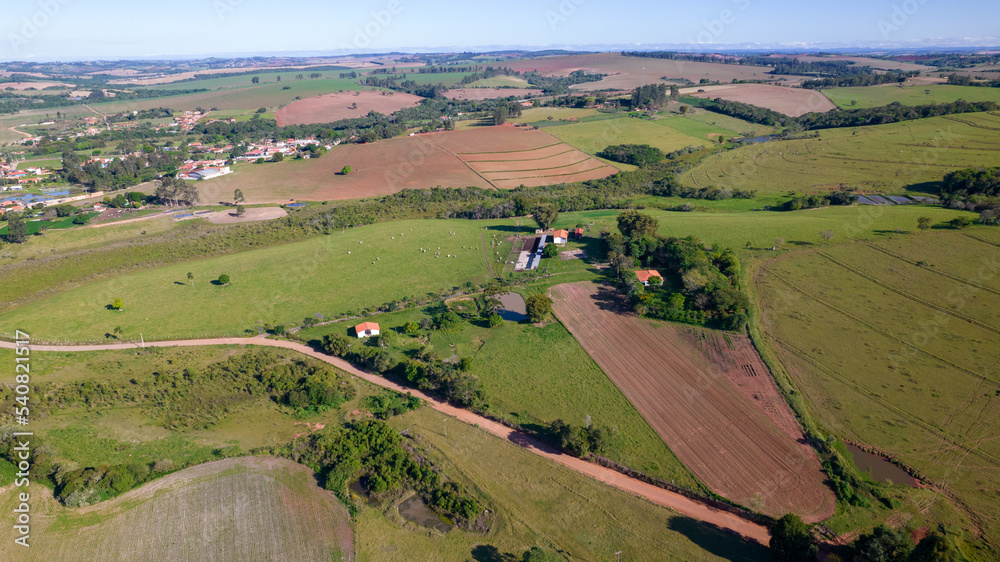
(123, 29)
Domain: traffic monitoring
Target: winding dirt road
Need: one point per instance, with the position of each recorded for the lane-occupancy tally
(659, 496)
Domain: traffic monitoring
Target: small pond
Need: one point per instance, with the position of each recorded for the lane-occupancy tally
(758, 140)
(296, 205)
(414, 509)
(513, 308)
(359, 489)
(880, 469)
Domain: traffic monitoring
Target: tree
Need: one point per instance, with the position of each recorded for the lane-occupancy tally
(884, 545)
(495, 320)
(538, 306)
(923, 223)
(346, 170)
(190, 278)
(933, 548)
(255, 80)
(17, 230)
(117, 332)
(411, 328)
(633, 224)
(790, 540)
(958, 223)
(240, 209)
(546, 215)
(550, 251)
(223, 279)
(238, 196)
(448, 321)
(117, 304)
(827, 235)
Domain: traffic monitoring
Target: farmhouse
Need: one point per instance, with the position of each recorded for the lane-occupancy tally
(646, 274)
(560, 236)
(366, 329)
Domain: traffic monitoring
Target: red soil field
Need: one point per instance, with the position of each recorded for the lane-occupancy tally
(790, 101)
(509, 156)
(503, 157)
(333, 107)
(748, 450)
(489, 93)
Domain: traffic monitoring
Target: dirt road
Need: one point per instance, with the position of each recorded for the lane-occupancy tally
(659, 496)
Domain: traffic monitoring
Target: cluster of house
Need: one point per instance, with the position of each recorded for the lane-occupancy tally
(22, 176)
(203, 169)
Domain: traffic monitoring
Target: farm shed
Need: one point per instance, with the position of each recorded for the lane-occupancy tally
(560, 236)
(366, 329)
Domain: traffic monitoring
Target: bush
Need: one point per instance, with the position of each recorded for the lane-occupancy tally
(495, 320)
(550, 251)
(538, 306)
(634, 154)
(223, 279)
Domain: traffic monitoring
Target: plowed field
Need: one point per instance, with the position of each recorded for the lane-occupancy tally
(739, 449)
(346, 105)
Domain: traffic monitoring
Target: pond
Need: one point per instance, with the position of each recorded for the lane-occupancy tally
(359, 489)
(758, 140)
(414, 509)
(880, 469)
(513, 308)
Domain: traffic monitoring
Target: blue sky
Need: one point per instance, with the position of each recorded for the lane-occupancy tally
(76, 29)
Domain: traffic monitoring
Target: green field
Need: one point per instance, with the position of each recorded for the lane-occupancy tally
(528, 374)
(595, 136)
(694, 128)
(446, 78)
(877, 96)
(57, 224)
(895, 344)
(275, 285)
(500, 82)
(287, 79)
(537, 503)
(894, 158)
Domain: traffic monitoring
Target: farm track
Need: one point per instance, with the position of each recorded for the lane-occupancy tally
(935, 271)
(659, 496)
(730, 443)
(980, 239)
(879, 330)
(906, 295)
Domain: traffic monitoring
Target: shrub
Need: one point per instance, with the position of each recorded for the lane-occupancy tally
(223, 279)
(495, 320)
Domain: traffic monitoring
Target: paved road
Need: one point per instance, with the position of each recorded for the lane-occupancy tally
(659, 496)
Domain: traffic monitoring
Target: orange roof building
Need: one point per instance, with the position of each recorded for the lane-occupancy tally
(645, 275)
(366, 329)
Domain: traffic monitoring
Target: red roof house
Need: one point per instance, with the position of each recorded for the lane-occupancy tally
(646, 274)
(366, 329)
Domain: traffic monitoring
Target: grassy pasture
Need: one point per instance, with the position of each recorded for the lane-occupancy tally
(900, 356)
(737, 126)
(537, 503)
(446, 78)
(595, 136)
(500, 81)
(287, 79)
(533, 376)
(251, 508)
(697, 129)
(912, 155)
(282, 284)
(877, 96)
